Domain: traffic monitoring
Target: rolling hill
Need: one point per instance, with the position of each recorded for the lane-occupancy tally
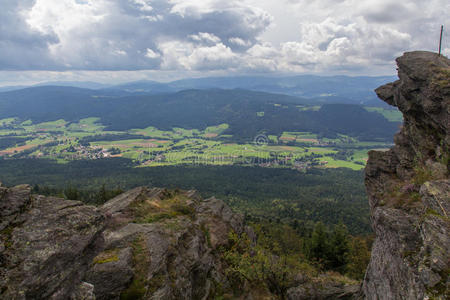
(247, 112)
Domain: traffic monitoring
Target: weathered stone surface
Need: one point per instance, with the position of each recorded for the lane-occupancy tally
(14, 200)
(409, 187)
(218, 218)
(323, 291)
(174, 255)
(146, 243)
(47, 246)
(85, 291)
(110, 273)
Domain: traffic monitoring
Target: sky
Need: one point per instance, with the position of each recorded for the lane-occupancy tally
(115, 41)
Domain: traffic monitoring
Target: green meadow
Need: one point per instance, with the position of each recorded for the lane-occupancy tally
(152, 147)
(393, 115)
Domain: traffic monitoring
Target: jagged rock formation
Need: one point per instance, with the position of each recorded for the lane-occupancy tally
(409, 187)
(173, 258)
(145, 243)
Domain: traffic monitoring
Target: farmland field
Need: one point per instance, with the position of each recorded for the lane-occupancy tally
(151, 147)
(392, 115)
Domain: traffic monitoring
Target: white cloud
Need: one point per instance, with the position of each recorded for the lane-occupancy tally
(204, 37)
(188, 56)
(239, 42)
(116, 34)
(144, 5)
(210, 58)
(322, 36)
(152, 54)
(349, 35)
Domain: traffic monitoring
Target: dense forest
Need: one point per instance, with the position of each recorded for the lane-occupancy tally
(247, 112)
(311, 222)
(282, 253)
(281, 195)
(6, 142)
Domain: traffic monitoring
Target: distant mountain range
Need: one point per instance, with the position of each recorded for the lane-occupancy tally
(319, 89)
(247, 112)
(77, 84)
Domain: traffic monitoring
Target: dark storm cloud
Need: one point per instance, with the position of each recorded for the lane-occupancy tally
(215, 35)
(20, 46)
(114, 35)
(387, 13)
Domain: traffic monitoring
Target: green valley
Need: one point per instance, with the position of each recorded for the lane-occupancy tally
(149, 147)
(268, 156)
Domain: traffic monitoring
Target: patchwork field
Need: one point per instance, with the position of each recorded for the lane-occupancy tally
(148, 147)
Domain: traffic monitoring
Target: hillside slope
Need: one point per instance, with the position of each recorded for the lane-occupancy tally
(409, 187)
(247, 112)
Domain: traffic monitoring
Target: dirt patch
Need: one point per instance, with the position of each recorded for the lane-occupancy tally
(18, 149)
(211, 135)
(120, 146)
(286, 138)
(287, 148)
(146, 145)
(308, 140)
(381, 149)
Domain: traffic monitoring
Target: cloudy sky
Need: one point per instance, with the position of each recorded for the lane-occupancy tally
(124, 40)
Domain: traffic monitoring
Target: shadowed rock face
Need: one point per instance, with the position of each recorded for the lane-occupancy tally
(409, 187)
(46, 245)
(144, 244)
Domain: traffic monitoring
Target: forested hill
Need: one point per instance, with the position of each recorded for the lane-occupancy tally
(322, 89)
(247, 112)
(325, 89)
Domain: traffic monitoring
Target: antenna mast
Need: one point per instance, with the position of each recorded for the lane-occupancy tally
(440, 40)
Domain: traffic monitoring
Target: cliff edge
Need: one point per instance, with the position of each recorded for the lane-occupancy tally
(409, 187)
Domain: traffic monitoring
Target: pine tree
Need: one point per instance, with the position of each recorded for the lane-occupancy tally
(359, 258)
(71, 193)
(339, 247)
(319, 245)
(102, 197)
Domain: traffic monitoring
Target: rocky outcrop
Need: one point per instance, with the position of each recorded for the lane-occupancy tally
(46, 245)
(147, 243)
(144, 244)
(409, 187)
(164, 243)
